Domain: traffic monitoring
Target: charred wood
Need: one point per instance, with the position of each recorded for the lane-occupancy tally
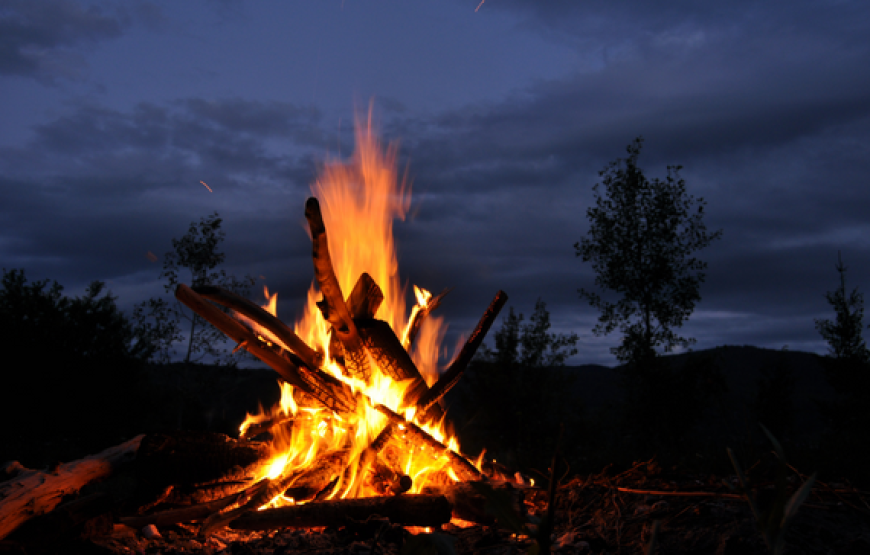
(334, 309)
(365, 299)
(460, 465)
(326, 389)
(408, 510)
(31, 493)
(280, 332)
(469, 504)
(449, 379)
(419, 316)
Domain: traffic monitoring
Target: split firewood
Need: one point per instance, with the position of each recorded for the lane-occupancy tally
(326, 389)
(33, 493)
(279, 331)
(365, 299)
(460, 465)
(393, 360)
(333, 306)
(447, 380)
(469, 504)
(419, 315)
(407, 510)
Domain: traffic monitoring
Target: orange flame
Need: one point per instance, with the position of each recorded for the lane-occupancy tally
(359, 200)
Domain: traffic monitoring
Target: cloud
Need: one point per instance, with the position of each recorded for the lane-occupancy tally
(40, 38)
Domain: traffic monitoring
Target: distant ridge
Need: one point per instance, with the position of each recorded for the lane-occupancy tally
(596, 385)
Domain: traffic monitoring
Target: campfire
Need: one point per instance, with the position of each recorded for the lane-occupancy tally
(359, 416)
(360, 430)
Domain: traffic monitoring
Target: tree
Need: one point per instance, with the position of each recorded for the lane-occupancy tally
(518, 393)
(197, 252)
(77, 380)
(844, 334)
(640, 243)
(641, 237)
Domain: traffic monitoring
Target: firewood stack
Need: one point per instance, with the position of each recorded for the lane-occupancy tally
(359, 344)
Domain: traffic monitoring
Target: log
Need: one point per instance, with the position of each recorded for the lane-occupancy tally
(365, 299)
(333, 306)
(460, 465)
(469, 504)
(326, 389)
(450, 378)
(418, 316)
(33, 493)
(281, 334)
(407, 510)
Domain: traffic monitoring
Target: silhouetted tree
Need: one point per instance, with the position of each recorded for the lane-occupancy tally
(517, 391)
(847, 369)
(197, 252)
(640, 243)
(79, 363)
(844, 333)
(640, 240)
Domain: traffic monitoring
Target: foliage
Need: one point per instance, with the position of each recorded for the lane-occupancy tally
(844, 334)
(197, 252)
(83, 361)
(847, 369)
(774, 518)
(518, 394)
(641, 237)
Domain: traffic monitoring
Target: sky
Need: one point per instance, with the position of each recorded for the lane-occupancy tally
(504, 112)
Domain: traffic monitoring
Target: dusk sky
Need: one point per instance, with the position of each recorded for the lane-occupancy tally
(504, 112)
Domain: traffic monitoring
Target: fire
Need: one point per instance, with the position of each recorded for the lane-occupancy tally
(359, 199)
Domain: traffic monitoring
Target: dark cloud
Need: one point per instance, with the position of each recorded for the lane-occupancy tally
(38, 37)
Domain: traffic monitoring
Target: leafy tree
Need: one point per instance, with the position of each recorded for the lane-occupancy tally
(197, 253)
(78, 379)
(641, 237)
(518, 393)
(640, 243)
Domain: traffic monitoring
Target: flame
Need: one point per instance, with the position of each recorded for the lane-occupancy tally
(359, 199)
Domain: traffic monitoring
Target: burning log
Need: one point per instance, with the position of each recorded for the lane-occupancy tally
(460, 465)
(365, 299)
(31, 493)
(273, 325)
(407, 510)
(333, 306)
(418, 316)
(326, 389)
(447, 380)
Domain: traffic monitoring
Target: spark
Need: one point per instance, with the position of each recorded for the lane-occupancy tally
(151, 256)
(479, 5)
(207, 187)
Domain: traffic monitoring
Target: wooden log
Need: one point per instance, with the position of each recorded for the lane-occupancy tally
(326, 389)
(447, 380)
(418, 316)
(365, 299)
(469, 504)
(280, 332)
(460, 465)
(333, 306)
(407, 510)
(184, 514)
(33, 493)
